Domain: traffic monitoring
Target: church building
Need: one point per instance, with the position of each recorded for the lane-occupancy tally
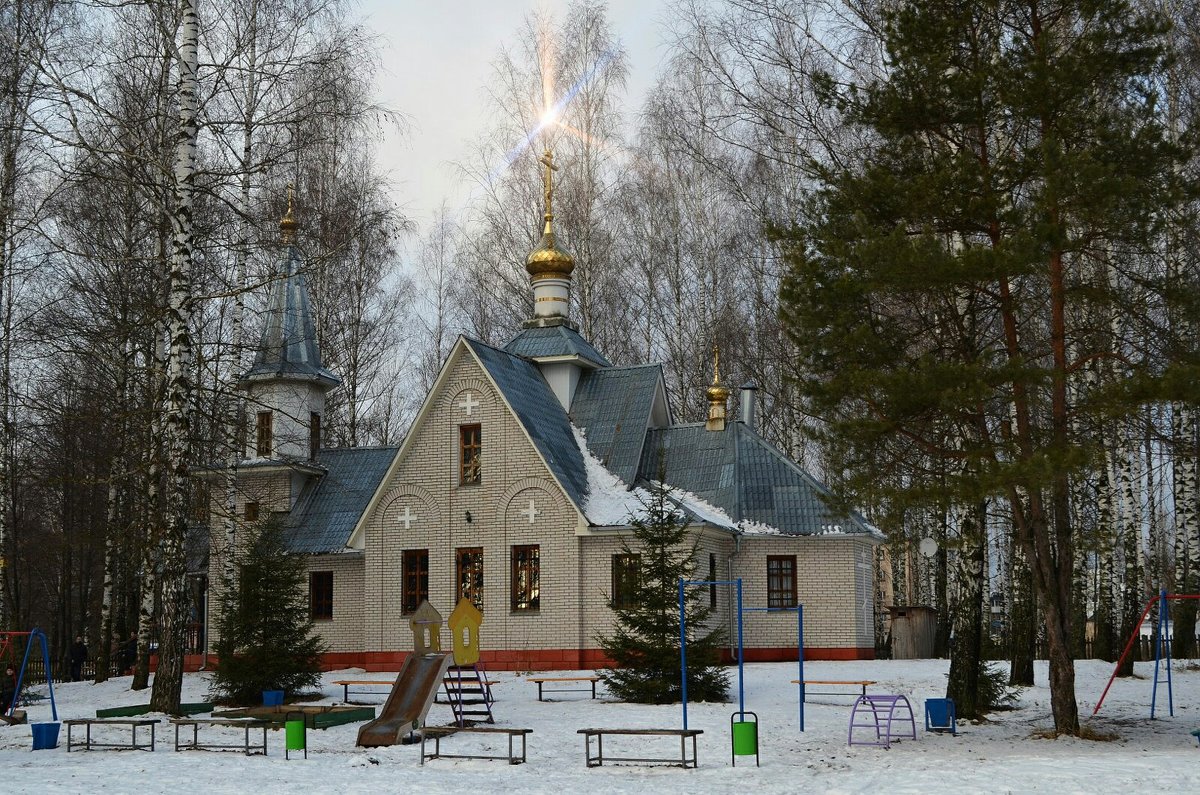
(515, 487)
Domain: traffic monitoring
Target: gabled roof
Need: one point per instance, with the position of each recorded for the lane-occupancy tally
(288, 348)
(542, 416)
(551, 341)
(613, 408)
(329, 507)
(745, 476)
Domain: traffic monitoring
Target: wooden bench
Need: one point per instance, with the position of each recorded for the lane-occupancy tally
(859, 683)
(88, 743)
(438, 732)
(541, 680)
(245, 747)
(599, 758)
(348, 683)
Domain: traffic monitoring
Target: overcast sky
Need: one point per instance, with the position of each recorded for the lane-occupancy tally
(437, 57)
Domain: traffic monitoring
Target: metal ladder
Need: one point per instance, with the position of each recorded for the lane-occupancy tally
(468, 694)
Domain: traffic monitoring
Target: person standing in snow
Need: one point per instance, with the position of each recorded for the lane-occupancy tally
(78, 658)
(8, 688)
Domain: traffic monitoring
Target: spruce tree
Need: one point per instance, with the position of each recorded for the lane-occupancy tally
(266, 634)
(645, 645)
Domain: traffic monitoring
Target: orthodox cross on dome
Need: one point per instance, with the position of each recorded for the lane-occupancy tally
(716, 364)
(468, 403)
(530, 512)
(548, 161)
(408, 517)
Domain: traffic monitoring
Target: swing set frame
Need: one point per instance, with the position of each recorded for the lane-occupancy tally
(1162, 651)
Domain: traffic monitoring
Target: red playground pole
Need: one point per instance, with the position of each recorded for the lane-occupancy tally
(1136, 628)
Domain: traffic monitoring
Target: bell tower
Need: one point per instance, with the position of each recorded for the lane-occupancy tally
(287, 383)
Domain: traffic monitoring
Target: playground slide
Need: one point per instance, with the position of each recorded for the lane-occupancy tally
(410, 699)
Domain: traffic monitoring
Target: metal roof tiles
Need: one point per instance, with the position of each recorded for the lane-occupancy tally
(330, 506)
(744, 475)
(613, 407)
(548, 341)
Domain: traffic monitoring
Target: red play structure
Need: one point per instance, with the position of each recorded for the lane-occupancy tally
(1162, 651)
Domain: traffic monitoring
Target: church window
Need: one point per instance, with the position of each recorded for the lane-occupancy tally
(470, 443)
(626, 575)
(469, 570)
(526, 575)
(250, 512)
(263, 440)
(781, 581)
(314, 435)
(320, 595)
(416, 579)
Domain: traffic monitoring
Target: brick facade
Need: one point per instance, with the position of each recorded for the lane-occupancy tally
(422, 505)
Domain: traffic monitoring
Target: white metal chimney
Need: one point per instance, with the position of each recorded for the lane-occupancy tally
(747, 407)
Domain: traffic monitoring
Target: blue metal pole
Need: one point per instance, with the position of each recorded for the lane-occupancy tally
(741, 665)
(683, 654)
(1162, 640)
(800, 657)
(46, 662)
(1157, 660)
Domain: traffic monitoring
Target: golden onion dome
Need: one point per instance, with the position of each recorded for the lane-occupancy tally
(717, 393)
(548, 259)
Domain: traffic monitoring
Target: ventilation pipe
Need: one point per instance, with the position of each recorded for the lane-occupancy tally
(747, 397)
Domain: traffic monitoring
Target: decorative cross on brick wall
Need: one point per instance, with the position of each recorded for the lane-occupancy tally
(531, 512)
(408, 517)
(468, 403)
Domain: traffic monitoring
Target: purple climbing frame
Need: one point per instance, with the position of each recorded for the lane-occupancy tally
(883, 715)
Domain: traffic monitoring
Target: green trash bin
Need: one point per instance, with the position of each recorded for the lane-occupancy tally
(744, 735)
(294, 735)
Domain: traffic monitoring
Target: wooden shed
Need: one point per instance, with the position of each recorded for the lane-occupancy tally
(914, 631)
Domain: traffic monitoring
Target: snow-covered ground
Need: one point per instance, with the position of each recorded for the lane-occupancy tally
(1003, 755)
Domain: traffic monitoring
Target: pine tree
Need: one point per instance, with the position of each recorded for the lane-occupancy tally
(645, 645)
(947, 277)
(266, 635)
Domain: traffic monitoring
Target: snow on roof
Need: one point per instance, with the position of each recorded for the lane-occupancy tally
(612, 503)
(702, 510)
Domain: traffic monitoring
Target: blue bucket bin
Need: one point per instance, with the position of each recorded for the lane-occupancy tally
(272, 698)
(45, 735)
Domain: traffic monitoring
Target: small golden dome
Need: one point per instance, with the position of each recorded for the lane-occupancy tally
(548, 259)
(717, 393)
(287, 224)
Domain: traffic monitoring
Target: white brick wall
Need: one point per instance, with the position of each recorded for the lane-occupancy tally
(424, 507)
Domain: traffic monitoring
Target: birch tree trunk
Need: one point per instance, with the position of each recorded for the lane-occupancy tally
(113, 531)
(236, 422)
(1185, 487)
(168, 680)
(966, 653)
(1131, 551)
